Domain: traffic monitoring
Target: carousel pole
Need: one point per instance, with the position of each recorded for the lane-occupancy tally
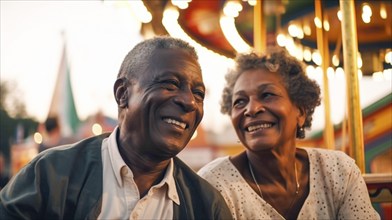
(350, 50)
(259, 29)
(322, 45)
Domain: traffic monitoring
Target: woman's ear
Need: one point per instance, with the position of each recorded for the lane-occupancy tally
(301, 117)
(121, 92)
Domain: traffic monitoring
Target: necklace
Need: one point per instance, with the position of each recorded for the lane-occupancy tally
(257, 184)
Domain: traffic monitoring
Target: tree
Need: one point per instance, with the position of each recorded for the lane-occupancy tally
(10, 102)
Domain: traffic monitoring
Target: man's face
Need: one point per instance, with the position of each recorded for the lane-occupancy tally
(165, 105)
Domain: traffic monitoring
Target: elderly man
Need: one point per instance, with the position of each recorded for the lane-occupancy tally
(132, 173)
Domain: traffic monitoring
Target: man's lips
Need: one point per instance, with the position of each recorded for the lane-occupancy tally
(176, 122)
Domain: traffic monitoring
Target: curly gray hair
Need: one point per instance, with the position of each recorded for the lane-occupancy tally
(303, 92)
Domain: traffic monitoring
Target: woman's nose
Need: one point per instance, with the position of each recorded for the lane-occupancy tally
(254, 107)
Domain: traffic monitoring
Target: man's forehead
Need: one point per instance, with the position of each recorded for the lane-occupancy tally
(174, 59)
(168, 53)
(172, 62)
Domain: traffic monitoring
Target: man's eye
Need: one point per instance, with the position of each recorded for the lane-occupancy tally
(170, 84)
(199, 95)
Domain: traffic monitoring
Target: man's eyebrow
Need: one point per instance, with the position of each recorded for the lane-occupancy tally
(179, 76)
(201, 84)
(166, 74)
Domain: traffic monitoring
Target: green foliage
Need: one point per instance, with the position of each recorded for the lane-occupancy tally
(10, 102)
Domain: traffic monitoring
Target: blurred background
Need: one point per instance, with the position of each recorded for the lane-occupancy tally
(59, 61)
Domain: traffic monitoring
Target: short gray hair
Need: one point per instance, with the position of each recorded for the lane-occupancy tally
(138, 58)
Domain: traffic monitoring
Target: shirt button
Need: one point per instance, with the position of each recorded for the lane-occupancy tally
(124, 171)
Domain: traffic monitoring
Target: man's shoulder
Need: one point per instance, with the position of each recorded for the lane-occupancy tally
(197, 194)
(189, 179)
(87, 143)
(70, 153)
(183, 173)
(181, 167)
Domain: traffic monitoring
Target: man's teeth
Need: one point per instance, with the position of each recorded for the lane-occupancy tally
(256, 127)
(172, 121)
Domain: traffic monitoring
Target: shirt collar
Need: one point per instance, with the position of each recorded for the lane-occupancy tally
(169, 180)
(115, 157)
(118, 164)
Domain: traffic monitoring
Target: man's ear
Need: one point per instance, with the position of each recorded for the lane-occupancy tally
(121, 92)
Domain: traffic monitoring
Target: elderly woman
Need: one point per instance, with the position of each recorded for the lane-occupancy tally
(270, 101)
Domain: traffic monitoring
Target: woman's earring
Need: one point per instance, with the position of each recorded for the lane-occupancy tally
(300, 132)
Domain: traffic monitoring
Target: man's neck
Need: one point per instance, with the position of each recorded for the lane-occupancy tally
(147, 171)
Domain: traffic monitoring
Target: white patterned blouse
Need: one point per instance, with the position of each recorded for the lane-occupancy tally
(337, 189)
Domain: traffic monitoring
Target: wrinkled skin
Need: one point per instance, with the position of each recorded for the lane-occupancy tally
(265, 121)
(260, 99)
(170, 89)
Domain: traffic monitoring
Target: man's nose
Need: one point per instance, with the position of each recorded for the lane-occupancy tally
(186, 100)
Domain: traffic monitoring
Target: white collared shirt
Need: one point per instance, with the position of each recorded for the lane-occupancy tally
(120, 197)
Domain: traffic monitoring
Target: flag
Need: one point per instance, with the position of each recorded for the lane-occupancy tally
(63, 105)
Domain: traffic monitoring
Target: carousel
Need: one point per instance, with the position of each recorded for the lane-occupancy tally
(346, 45)
(350, 39)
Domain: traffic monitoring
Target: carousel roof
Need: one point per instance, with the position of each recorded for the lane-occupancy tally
(202, 21)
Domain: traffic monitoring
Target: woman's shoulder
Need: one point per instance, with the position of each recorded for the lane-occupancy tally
(216, 166)
(326, 153)
(327, 157)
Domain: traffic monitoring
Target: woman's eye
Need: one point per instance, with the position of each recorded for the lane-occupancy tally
(238, 102)
(267, 94)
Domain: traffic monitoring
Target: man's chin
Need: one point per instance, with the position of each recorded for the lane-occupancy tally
(168, 150)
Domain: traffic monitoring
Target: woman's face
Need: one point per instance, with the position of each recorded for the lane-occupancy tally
(262, 113)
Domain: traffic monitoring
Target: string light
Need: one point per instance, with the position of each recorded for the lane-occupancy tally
(96, 129)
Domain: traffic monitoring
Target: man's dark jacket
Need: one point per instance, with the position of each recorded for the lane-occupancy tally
(66, 183)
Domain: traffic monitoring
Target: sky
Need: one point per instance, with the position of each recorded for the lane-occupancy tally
(97, 37)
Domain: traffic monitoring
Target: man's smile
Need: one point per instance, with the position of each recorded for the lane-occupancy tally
(173, 121)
